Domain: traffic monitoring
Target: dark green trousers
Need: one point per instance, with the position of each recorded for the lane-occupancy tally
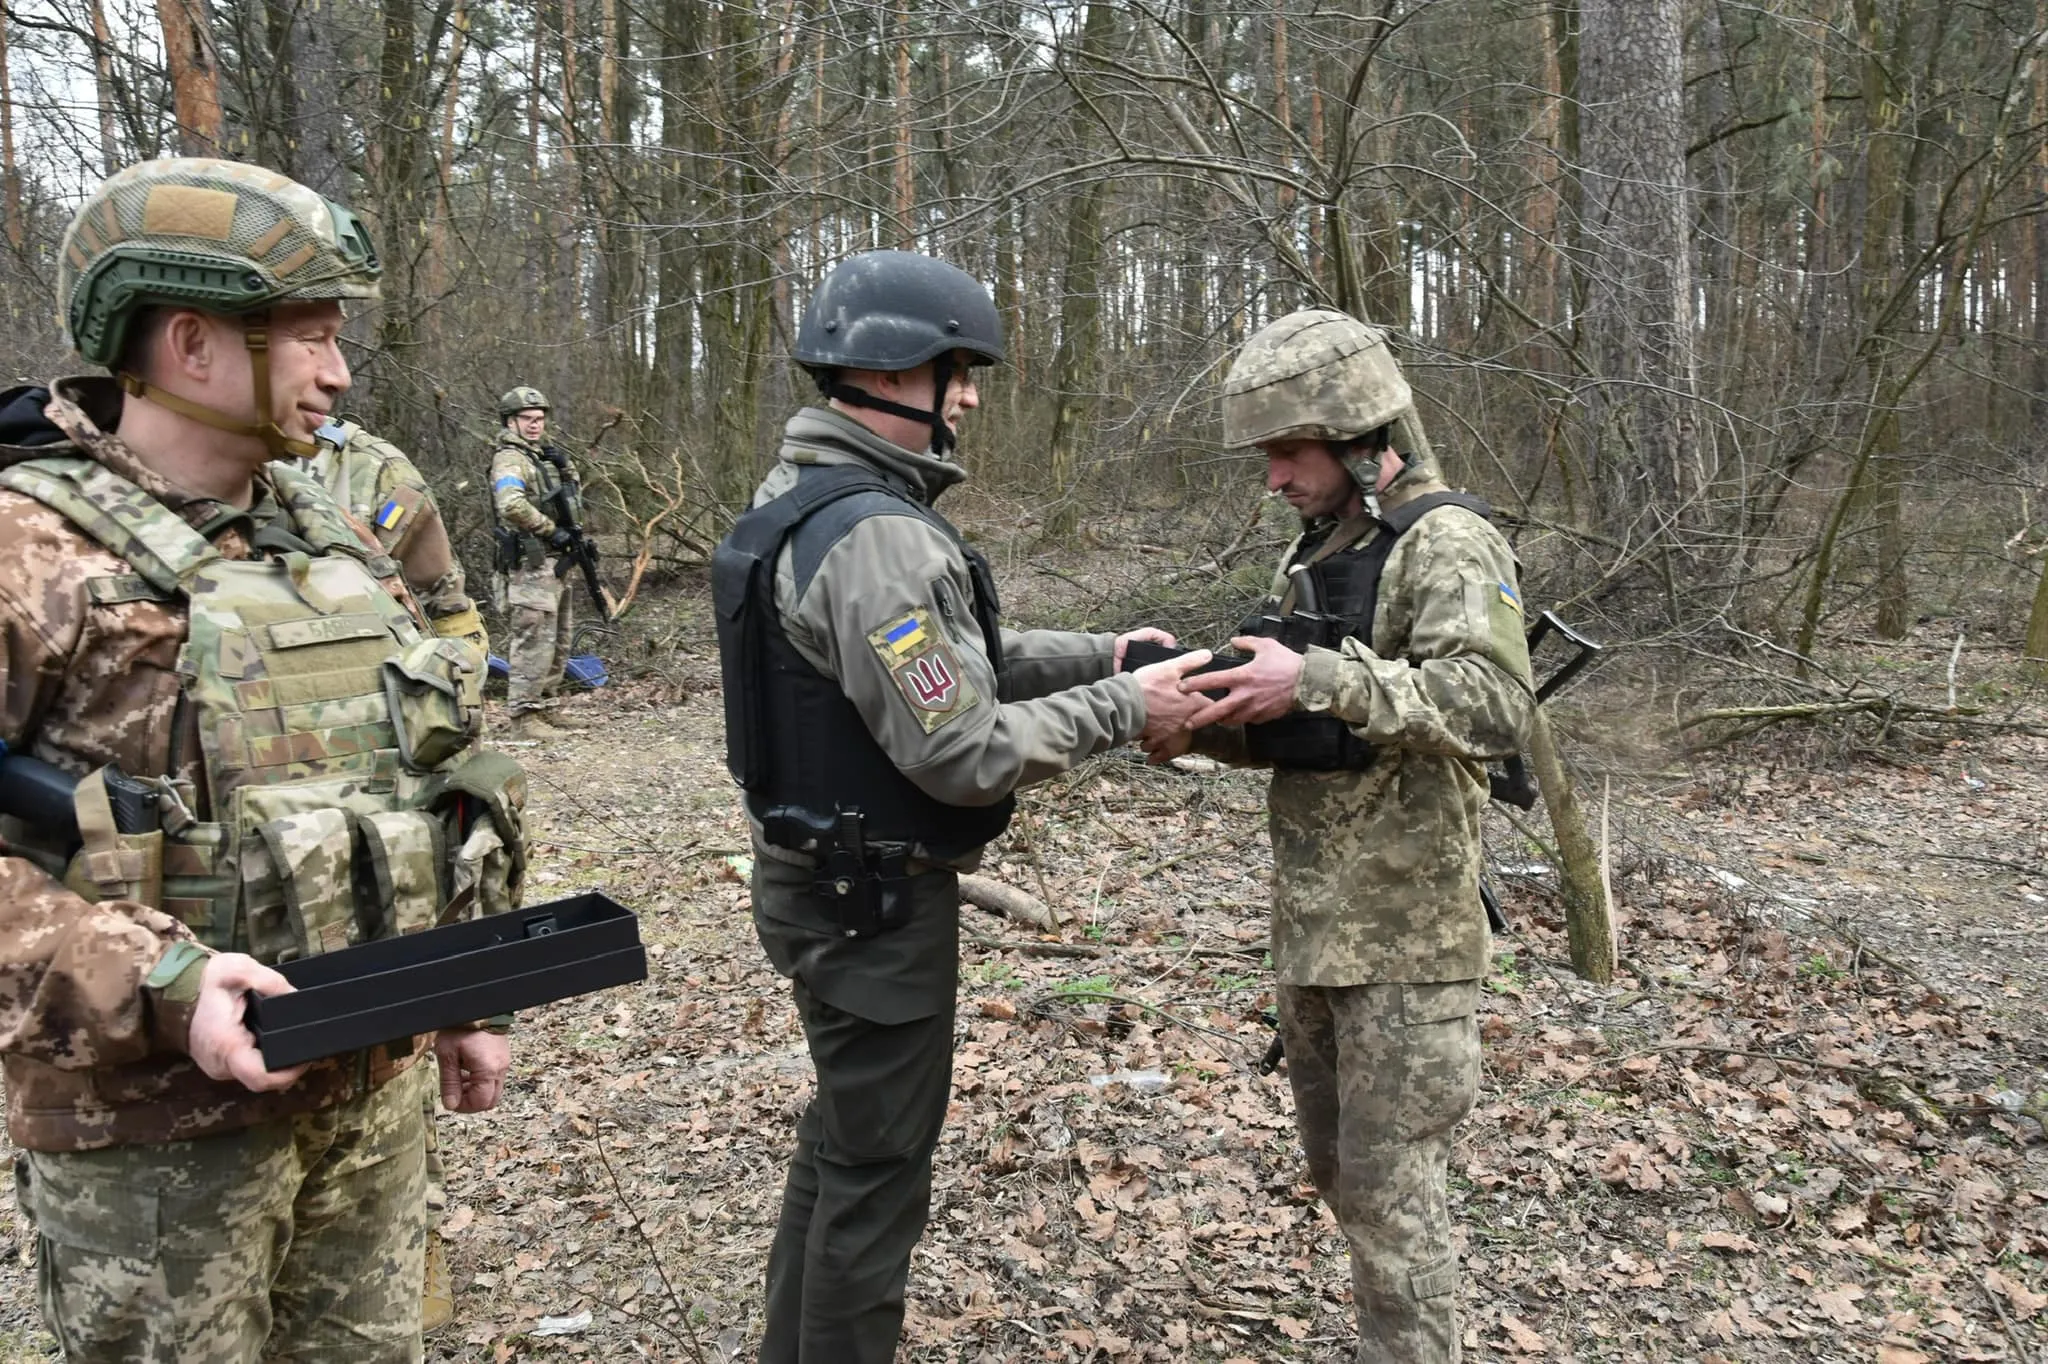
(878, 1016)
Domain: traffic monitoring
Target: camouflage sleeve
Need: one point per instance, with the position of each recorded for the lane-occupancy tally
(1041, 662)
(1451, 672)
(72, 972)
(512, 482)
(408, 515)
(887, 614)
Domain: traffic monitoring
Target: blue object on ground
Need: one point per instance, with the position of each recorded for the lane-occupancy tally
(499, 667)
(586, 670)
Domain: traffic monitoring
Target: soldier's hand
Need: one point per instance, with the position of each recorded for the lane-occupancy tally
(1167, 707)
(1150, 633)
(1168, 747)
(219, 1042)
(561, 538)
(473, 1068)
(1260, 690)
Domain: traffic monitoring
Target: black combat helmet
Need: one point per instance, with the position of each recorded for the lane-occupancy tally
(894, 310)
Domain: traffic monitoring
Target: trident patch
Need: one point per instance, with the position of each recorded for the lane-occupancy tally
(924, 668)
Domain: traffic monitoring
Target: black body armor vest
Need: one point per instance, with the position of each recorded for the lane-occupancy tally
(1345, 586)
(791, 736)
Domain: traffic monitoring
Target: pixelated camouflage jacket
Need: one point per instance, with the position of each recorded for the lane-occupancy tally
(385, 490)
(91, 1056)
(1376, 873)
(895, 579)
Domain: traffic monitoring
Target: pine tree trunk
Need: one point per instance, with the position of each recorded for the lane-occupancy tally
(1077, 376)
(103, 87)
(10, 173)
(195, 74)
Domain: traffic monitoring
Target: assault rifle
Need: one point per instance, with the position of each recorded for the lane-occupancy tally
(39, 794)
(582, 551)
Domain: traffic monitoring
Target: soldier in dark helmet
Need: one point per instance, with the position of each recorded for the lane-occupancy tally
(880, 718)
(1378, 733)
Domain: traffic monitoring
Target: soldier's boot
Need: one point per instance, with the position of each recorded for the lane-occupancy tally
(533, 724)
(437, 1292)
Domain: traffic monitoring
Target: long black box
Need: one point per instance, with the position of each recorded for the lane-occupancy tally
(458, 973)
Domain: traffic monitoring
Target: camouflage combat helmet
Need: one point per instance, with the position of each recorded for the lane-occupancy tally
(219, 236)
(895, 310)
(522, 399)
(1319, 374)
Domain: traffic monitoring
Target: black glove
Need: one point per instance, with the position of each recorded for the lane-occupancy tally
(555, 455)
(563, 538)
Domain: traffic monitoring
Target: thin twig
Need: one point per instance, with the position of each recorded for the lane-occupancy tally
(686, 1335)
(1037, 1006)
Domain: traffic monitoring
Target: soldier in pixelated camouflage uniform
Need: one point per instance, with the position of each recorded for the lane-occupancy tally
(174, 606)
(1379, 742)
(527, 476)
(382, 488)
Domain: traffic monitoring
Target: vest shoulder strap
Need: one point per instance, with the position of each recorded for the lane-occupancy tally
(119, 517)
(760, 532)
(1402, 519)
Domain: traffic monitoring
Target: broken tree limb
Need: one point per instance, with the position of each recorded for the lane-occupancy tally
(1743, 721)
(1015, 905)
(1588, 913)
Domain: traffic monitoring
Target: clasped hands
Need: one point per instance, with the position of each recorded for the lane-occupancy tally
(1175, 706)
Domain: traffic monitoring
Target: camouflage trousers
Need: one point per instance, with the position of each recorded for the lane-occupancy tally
(301, 1239)
(543, 619)
(1381, 1075)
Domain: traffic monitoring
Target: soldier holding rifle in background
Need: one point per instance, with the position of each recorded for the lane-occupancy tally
(539, 539)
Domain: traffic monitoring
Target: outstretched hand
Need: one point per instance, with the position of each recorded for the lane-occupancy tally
(1260, 690)
(220, 1044)
(1167, 707)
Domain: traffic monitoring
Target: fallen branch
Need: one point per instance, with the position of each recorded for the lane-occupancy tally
(1018, 906)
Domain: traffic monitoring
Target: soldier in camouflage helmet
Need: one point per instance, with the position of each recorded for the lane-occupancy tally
(1415, 674)
(529, 477)
(211, 624)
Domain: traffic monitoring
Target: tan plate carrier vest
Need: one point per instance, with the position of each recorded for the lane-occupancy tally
(345, 799)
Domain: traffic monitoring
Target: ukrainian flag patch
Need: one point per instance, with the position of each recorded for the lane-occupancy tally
(1510, 596)
(905, 635)
(926, 671)
(389, 515)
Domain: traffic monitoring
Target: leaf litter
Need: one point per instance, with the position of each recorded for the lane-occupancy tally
(1802, 1124)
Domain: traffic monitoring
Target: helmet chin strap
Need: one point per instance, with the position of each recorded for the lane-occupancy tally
(943, 369)
(256, 336)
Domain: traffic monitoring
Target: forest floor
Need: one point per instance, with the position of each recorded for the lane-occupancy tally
(1791, 1129)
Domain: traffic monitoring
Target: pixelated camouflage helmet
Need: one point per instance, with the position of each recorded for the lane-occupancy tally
(220, 236)
(1316, 374)
(522, 399)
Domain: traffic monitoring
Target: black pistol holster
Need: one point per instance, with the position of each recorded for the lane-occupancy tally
(864, 887)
